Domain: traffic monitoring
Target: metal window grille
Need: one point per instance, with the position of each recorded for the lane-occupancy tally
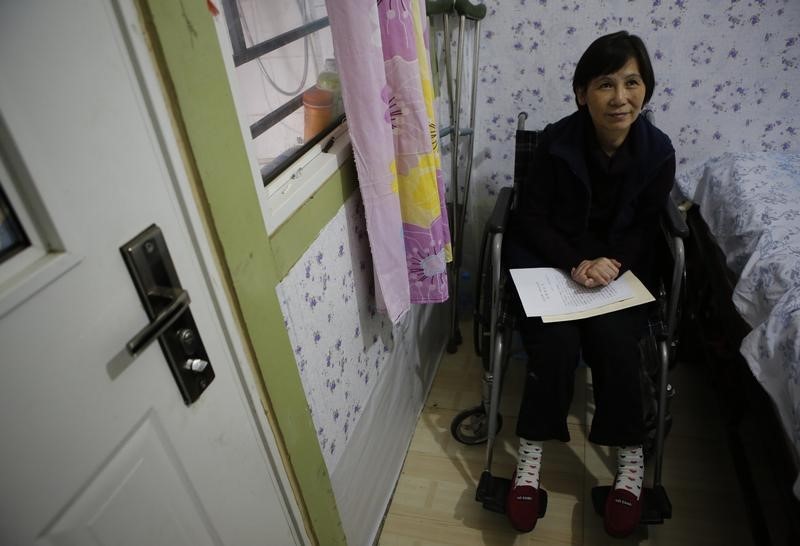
(242, 53)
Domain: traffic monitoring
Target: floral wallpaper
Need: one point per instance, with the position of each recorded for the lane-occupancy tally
(340, 341)
(727, 73)
(727, 77)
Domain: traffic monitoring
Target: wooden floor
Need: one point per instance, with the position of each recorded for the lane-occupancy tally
(434, 502)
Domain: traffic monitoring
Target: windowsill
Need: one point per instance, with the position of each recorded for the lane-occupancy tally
(289, 191)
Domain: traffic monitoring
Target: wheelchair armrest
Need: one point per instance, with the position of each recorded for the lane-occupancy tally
(674, 221)
(499, 218)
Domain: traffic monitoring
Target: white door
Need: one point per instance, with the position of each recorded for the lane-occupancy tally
(98, 447)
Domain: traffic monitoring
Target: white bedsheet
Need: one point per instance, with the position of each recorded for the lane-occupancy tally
(751, 203)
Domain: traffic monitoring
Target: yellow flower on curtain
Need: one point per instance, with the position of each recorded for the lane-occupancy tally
(410, 109)
(426, 79)
(418, 205)
(395, 184)
(388, 98)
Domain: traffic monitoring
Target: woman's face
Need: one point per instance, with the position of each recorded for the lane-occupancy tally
(614, 101)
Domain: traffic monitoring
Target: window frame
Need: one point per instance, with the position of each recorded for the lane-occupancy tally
(243, 54)
(44, 259)
(298, 183)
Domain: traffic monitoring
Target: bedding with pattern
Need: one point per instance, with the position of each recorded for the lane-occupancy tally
(751, 204)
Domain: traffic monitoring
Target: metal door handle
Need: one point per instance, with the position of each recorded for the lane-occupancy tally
(165, 319)
(167, 306)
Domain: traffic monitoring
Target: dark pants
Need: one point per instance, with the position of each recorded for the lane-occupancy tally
(609, 346)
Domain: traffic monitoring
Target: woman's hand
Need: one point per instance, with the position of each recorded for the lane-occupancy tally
(597, 272)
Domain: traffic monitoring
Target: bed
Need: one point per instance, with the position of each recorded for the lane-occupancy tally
(743, 265)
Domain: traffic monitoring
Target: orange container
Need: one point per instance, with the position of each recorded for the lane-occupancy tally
(318, 110)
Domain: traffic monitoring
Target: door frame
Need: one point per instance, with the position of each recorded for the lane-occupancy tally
(189, 192)
(190, 61)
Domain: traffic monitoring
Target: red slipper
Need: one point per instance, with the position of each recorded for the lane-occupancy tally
(622, 514)
(522, 506)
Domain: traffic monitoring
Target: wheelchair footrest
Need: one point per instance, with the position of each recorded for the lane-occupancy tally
(656, 506)
(493, 491)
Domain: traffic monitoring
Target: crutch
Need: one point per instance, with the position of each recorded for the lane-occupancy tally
(472, 12)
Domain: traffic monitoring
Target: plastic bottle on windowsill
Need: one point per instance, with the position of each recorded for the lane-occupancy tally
(329, 80)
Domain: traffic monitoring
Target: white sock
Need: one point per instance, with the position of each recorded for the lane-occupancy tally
(528, 463)
(630, 469)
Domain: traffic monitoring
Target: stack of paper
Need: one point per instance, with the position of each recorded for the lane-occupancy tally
(552, 294)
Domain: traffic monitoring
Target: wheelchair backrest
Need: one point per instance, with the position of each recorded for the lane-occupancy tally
(526, 142)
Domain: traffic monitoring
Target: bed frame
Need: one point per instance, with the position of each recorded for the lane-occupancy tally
(766, 466)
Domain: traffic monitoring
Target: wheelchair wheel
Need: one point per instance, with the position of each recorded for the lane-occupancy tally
(482, 320)
(471, 426)
(649, 389)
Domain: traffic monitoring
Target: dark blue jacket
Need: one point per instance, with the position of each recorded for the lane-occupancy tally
(550, 224)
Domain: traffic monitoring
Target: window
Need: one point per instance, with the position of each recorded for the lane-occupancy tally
(13, 238)
(287, 76)
(21, 242)
(32, 254)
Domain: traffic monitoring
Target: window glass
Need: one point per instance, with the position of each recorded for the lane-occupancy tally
(12, 237)
(297, 82)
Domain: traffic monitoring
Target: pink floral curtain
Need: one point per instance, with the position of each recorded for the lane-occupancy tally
(382, 53)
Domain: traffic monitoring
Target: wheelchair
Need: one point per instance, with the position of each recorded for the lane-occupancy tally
(497, 312)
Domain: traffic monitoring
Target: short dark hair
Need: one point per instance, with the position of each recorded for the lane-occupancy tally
(608, 54)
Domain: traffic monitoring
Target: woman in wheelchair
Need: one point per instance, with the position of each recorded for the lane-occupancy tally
(590, 205)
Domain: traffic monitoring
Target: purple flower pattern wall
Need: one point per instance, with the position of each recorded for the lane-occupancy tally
(340, 341)
(727, 73)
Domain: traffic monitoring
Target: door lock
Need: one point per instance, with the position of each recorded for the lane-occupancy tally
(196, 365)
(167, 306)
(187, 338)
